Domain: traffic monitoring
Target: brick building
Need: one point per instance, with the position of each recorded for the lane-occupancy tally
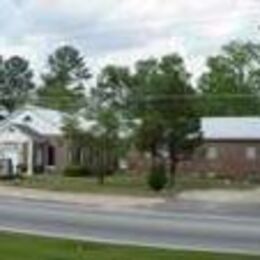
(231, 147)
(33, 138)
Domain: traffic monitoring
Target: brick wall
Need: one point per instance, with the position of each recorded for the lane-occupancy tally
(232, 158)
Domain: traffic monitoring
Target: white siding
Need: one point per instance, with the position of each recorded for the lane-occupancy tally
(12, 135)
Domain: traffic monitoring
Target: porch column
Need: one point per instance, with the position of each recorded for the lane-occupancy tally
(30, 159)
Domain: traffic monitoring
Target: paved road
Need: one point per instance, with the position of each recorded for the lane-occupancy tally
(183, 227)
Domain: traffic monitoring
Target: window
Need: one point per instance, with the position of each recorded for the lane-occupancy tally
(212, 153)
(51, 156)
(251, 153)
(27, 119)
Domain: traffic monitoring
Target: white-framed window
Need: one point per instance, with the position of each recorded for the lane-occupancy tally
(251, 153)
(212, 153)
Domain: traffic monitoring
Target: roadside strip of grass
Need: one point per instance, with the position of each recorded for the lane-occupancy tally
(24, 247)
(120, 185)
(115, 185)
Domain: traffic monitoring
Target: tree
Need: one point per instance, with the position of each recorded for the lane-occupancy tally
(157, 95)
(64, 84)
(16, 82)
(112, 90)
(170, 125)
(73, 134)
(157, 178)
(99, 143)
(108, 100)
(230, 86)
(107, 143)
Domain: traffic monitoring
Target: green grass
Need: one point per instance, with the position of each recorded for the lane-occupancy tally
(21, 247)
(199, 183)
(120, 185)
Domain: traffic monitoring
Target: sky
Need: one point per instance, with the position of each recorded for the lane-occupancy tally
(123, 31)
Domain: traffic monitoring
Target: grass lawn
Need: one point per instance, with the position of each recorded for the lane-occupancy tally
(119, 184)
(21, 247)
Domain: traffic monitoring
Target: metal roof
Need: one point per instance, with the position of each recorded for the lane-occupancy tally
(231, 128)
(29, 132)
(44, 121)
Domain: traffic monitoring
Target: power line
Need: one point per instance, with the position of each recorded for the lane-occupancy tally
(166, 96)
(145, 99)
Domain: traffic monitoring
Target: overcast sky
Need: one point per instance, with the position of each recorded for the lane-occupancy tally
(122, 31)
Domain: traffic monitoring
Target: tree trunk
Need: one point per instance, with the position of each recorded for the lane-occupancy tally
(101, 179)
(173, 166)
(154, 158)
(101, 165)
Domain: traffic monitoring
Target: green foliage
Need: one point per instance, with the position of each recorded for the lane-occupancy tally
(22, 247)
(56, 96)
(64, 85)
(111, 88)
(230, 86)
(71, 129)
(151, 102)
(157, 178)
(168, 113)
(162, 99)
(254, 178)
(108, 110)
(104, 156)
(100, 144)
(16, 82)
(76, 171)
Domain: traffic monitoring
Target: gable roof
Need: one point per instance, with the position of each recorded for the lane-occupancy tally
(29, 132)
(43, 121)
(231, 128)
(48, 122)
(14, 133)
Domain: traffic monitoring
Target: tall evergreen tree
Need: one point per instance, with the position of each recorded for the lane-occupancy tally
(16, 82)
(65, 82)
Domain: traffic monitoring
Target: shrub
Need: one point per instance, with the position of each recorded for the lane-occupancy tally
(158, 178)
(254, 178)
(75, 171)
(38, 169)
(22, 168)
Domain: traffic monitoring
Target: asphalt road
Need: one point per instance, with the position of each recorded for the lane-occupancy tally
(181, 227)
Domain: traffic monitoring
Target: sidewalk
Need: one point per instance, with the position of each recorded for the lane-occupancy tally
(222, 196)
(130, 202)
(90, 200)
